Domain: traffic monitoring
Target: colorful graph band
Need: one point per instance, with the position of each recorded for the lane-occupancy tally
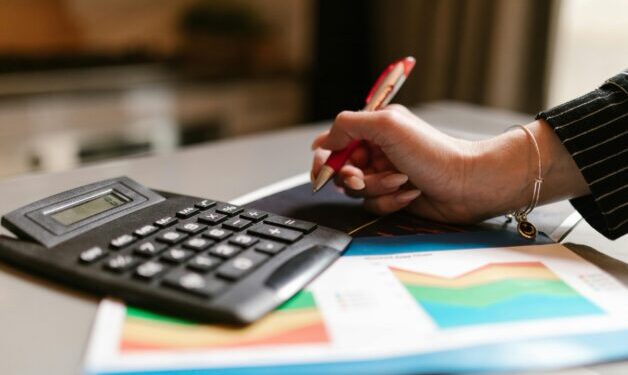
(298, 321)
(495, 293)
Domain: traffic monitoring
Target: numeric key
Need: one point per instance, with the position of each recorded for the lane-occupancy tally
(243, 240)
(218, 234)
(176, 255)
(191, 228)
(121, 263)
(269, 247)
(204, 263)
(92, 254)
(122, 241)
(172, 237)
(149, 248)
(194, 283)
(150, 270)
(241, 265)
(197, 243)
(224, 250)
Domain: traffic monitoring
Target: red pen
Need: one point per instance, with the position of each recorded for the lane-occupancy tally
(384, 89)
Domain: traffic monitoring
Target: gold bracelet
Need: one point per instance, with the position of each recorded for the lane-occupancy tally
(525, 228)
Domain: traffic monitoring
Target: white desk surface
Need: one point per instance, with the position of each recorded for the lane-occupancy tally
(44, 328)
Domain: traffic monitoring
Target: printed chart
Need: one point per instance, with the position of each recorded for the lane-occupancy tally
(298, 321)
(495, 293)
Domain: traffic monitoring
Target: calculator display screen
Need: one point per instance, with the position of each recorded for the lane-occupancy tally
(92, 207)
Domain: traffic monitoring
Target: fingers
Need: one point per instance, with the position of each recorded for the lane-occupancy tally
(371, 126)
(351, 179)
(320, 156)
(385, 204)
(319, 139)
(357, 184)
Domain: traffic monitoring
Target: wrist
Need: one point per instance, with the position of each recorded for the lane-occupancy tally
(510, 163)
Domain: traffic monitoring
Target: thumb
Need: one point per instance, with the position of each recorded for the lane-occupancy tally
(369, 126)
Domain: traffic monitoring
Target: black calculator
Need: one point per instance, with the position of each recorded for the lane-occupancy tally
(185, 256)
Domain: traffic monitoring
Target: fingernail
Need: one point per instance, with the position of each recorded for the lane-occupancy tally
(408, 196)
(355, 183)
(394, 180)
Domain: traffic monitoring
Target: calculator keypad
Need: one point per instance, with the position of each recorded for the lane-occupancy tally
(201, 250)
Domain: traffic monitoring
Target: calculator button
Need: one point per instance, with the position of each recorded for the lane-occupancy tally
(194, 283)
(204, 263)
(120, 263)
(241, 265)
(149, 248)
(236, 223)
(176, 255)
(92, 254)
(276, 233)
(300, 225)
(166, 221)
(212, 218)
(145, 231)
(150, 270)
(191, 228)
(205, 204)
(172, 237)
(269, 247)
(224, 250)
(228, 209)
(187, 212)
(253, 215)
(218, 234)
(122, 241)
(243, 240)
(197, 243)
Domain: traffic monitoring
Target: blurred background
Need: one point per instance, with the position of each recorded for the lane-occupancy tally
(88, 80)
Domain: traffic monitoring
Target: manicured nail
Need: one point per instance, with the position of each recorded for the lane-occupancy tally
(394, 180)
(355, 183)
(408, 196)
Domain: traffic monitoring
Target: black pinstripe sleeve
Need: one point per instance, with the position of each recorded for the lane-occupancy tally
(594, 129)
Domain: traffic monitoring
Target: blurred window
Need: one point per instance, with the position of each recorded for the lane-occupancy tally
(591, 45)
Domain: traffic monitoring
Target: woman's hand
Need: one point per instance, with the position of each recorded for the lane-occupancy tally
(405, 163)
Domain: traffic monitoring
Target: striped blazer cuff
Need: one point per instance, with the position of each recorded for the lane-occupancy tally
(594, 130)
